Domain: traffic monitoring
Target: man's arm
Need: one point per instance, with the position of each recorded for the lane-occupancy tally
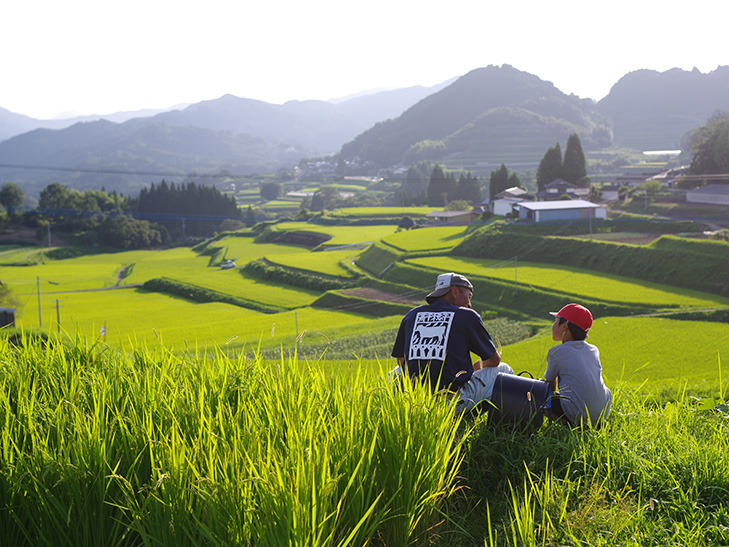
(492, 361)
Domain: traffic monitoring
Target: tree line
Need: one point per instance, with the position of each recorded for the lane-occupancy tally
(425, 184)
(159, 214)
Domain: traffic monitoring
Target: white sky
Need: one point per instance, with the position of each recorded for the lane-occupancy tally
(100, 57)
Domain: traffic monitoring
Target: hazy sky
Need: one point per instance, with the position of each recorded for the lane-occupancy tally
(99, 57)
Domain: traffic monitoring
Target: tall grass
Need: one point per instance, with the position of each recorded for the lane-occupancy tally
(657, 474)
(154, 448)
(157, 448)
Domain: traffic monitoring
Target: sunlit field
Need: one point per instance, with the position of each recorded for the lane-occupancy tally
(323, 262)
(85, 272)
(244, 249)
(642, 349)
(576, 282)
(429, 238)
(133, 316)
(343, 235)
(16, 253)
(373, 212)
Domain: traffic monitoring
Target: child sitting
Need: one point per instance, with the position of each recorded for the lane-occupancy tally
(574, 368)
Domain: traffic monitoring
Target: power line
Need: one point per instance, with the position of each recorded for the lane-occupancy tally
(109, 171)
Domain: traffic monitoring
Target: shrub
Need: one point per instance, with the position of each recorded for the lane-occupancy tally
(262, 270)
(200, 294)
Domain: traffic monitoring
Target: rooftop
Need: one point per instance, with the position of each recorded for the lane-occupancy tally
(560, 204)
(712, 189)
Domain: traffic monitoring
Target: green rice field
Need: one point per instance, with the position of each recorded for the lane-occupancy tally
(323, 262)
(133, 316)
(374, 212)
(81, 293)
(576, 282)
(430, 238)
(635, 350)
(343, 235)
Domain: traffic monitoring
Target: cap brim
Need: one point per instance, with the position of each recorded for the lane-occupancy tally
(437, 294)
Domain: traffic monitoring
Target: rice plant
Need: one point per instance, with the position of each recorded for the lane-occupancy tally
(157, 448)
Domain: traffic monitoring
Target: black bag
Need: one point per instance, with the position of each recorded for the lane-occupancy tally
(519, 401)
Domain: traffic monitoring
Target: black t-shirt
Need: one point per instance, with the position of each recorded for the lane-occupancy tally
(438, 339)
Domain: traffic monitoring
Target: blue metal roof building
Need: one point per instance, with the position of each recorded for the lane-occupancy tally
(546, 211)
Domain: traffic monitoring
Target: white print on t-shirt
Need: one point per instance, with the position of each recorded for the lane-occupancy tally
(430, 335)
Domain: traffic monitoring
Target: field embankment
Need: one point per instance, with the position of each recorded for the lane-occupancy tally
(668, 260)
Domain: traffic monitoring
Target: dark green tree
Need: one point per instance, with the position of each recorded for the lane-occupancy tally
(514, 180)
(326, 197)
(710, 146)
(250, 217)
(468, 188)
(550, 167)
(271, 190)
(498, 181)
(441, 187)
(12, 197)
(412, 189)
(56, 196)
(574, 169)
(406, 223)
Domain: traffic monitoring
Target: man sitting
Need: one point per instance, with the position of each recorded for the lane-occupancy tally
(436, 340)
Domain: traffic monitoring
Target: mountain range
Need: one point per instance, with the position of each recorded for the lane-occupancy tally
(490, 115)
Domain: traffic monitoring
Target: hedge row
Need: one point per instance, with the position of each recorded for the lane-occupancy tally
(714, 316)
(267, 272)
(203, 295)
(626, 222)
(352, 304)
(708, 247)
(500, 296)
(650, 263)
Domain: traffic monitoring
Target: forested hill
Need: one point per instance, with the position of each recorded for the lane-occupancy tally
(656, 109)
(125, 157)
(492, 109)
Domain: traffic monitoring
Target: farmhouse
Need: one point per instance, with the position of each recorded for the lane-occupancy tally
(451, 217)
(558, 187)
(610, 192)
(504, 206)
(545, 211)
(635, 179)
(714, 194)
(504, 201)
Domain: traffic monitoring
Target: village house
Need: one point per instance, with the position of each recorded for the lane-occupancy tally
(558, 188)
(610, 192)
(451, 217)
(504, 202)
(546, 211)
(713, 194)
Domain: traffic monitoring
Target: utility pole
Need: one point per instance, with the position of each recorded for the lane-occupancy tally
(296, 318)
(516, 283)
(40, 314)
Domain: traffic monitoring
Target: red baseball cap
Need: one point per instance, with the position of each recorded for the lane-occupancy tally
(574, 313)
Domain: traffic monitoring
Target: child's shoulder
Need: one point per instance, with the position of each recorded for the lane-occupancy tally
(575, 346)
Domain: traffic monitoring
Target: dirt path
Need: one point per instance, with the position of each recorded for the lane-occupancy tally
(375, 294)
